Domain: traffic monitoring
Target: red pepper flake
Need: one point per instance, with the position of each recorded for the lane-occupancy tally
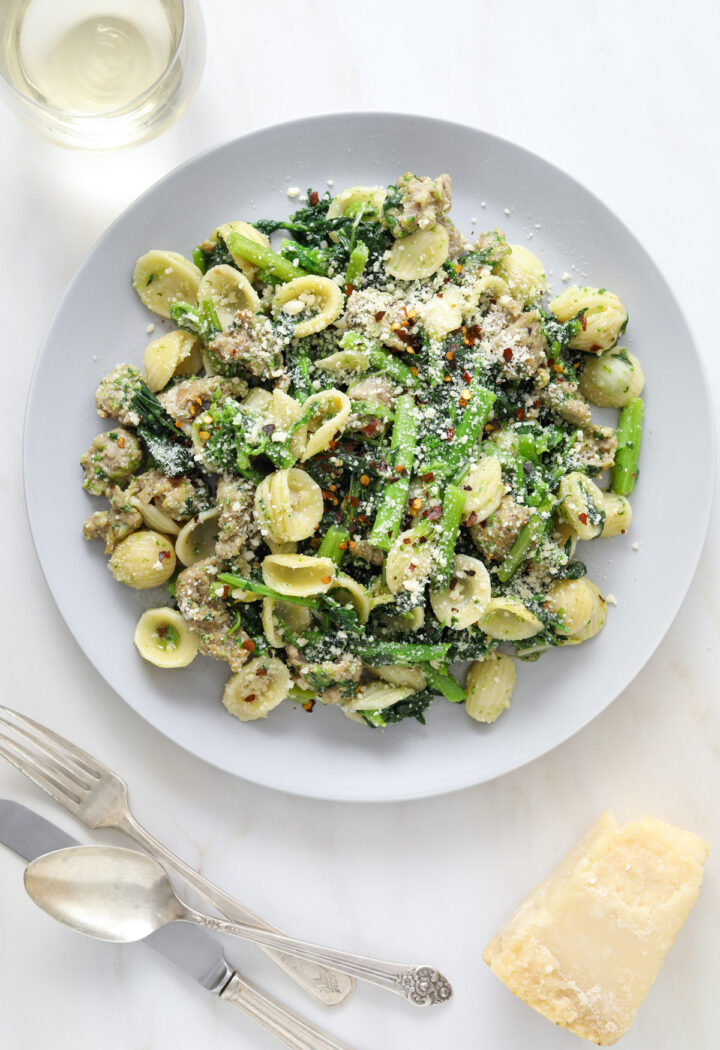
(354, 501)
(447, 379)
(407, 541)
(507, 353)
(178, 424)
(163, 555)
(364, 479)
(467, 377)
(450, 433)
(314, 198)
(250, 697)
(326, 579)
(370, 429)
(472, 518)
(559, 369)
(343, 546)
(349, 288)
(351, 544)
(406, 338)
(333, 445)
(308, 706)
(450, 355)
(435, 513)
(471, 334)
(249, 645)
(379, 315)
(427, 477)
(315, 543)
(121, 442)
(415, 370)
(162, 632)
(519, 414)
(583, 322)
(412, 566)
(583, 518)
(363, 519)
(453, 583)
(261, 672)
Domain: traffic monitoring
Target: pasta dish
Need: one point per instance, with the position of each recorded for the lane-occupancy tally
(365, 456)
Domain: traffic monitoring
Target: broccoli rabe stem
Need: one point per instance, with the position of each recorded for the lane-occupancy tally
(443, 682)
(453, 505)
(404, 439)
(380, 359)
(334, 544)
(470, 427)
(525, 542)
(400, 652)
(356, 263)
(201, 320)
(265, 258)
(629, 439)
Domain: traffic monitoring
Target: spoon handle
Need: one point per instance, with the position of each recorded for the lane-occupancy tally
(280, 1021)
(421, 985)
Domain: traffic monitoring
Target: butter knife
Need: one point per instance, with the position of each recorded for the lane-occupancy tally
(189, 948)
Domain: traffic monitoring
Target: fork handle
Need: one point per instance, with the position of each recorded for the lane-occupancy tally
(326, 986)
(287, 1026)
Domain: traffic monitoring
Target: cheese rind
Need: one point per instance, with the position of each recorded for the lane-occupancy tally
(585, 946)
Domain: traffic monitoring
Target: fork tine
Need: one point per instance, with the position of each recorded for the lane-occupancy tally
(49, 755)
(43, 780)
(46, 766)
(70, 751)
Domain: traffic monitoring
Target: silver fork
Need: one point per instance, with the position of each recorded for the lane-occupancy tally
(98, 797)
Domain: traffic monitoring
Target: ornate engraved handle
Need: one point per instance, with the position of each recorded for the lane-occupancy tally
(421, 985)
(283, 1023)
(324, 985)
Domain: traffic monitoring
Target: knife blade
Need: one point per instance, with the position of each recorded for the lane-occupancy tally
(189, 948)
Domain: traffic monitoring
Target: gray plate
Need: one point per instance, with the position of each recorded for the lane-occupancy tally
(101, 322)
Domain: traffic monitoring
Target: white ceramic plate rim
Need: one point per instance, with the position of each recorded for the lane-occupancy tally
(392, 790)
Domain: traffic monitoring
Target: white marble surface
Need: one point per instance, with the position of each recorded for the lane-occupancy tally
(624, 98)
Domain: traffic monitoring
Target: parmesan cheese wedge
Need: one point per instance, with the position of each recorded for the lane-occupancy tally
(584, 948)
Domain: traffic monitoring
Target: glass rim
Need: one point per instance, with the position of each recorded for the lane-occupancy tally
(110, 113)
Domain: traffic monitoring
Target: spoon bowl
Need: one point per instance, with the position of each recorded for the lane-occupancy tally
(107, 892)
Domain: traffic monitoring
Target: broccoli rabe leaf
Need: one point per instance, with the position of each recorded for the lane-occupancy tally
(414, 706)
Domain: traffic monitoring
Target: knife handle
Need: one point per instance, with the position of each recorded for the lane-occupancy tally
(282, 1022)
(326, 986)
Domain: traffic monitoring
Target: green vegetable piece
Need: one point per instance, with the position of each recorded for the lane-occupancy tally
(629, 438)
(265, 258)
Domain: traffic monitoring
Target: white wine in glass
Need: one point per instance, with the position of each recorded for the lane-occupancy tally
(100, 73)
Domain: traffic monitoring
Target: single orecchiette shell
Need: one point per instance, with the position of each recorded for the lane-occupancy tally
(297, 618)
(596, 620)
(573, 602)
(257, 688)
(524, 274)
(604, 317)
(467, 598)
(285, 411)
(163, 638)
(143, 560)
(442, 315)
(196, 539)
(288, 505)
(352, 199)
(229, 291)
(260, 401)
(177, 353)
(248, 231)
(344, 361)
(484, 489)
(489, 685)
(395, 674)
(333, 412)
(161, 278)
(612, 379)
(419, 255)
(618, 514)
(347, 591)
(155, 518)
(490, 286)
(509, 620)
(376, 696)
(409, 561)
(582, 504)
(299, 575)
(318, 295)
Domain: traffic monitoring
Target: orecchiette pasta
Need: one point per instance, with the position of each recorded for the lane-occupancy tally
(288, 505)
(162, 278)
(402, 676)
(246, 230)
(259, 401)
(467, 598)
(377, 696)
(155, 518)
(490, 286)
(369, 199)
(285, 411)
(484, 489)
(582, 504)
(489, 686)
(318, 296)
(523, 273)
(573, 602)
(344, 361)
(612, 379)
(276, 615)
(348, 591)
(298, 575)
(257, 688)
(604, 317)
(419, 255)
(332, 411)
(509, 620)
(229, 292)
(142, 560)
(409, 562)
(618, 514)
(196, 539)
(163, 638)
(595, 621)
(176, 353)
(442, 315)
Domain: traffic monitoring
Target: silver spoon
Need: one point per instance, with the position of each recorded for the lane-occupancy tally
(120, 895)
